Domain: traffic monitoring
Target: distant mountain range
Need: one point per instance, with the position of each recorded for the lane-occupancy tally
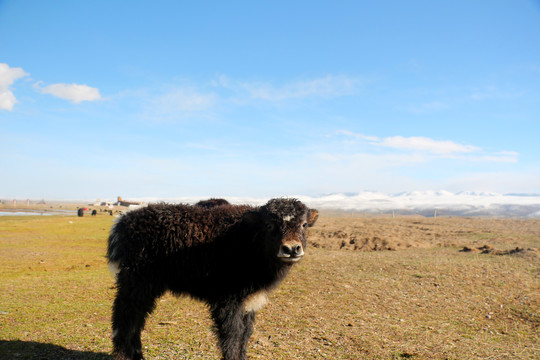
(416, 202)
(426, 202)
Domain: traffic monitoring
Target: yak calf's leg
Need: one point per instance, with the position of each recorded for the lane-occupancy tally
(132, 305)
(233, 328)
(248, 319)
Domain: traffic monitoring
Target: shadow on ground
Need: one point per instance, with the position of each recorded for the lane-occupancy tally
(26, 350)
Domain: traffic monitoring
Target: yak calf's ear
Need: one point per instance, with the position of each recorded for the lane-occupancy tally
(312, 216)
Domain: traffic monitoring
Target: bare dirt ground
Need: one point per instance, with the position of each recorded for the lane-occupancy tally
(369, 233)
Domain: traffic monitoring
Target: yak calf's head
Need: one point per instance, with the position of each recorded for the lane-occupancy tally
(284, 223)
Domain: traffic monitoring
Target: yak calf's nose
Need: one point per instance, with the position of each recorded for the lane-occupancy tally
(292, 250)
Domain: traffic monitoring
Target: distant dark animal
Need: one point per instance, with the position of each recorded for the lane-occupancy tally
(94, 212)
(230, 257)
(80, 212)
(212, 203)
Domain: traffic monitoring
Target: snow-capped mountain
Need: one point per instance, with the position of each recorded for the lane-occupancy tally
(426, 202)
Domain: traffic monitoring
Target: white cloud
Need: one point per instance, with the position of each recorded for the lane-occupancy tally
(178, 103)
(180, 100)
(73, 92)
(329, 86)
(434, 148)
(8, 75)
(174, 102)
(358, 136)
(420, 143)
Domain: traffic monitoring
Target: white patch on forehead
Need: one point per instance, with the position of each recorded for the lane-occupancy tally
(288, 217)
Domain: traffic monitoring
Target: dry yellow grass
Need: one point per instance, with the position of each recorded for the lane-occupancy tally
(426, 300)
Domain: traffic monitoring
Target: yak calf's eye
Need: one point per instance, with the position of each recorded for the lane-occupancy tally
(304, 225)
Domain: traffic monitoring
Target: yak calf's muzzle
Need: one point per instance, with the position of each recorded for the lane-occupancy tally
(291, 252)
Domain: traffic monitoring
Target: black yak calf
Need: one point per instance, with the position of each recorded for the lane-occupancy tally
(229, 256)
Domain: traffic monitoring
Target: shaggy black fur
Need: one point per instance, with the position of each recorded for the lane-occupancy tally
(219, 254)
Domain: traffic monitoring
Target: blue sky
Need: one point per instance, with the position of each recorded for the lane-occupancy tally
(168, 99)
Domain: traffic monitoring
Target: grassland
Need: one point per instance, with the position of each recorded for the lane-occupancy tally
(425, 300)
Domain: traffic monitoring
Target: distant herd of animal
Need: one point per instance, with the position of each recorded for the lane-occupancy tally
(80, 212)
